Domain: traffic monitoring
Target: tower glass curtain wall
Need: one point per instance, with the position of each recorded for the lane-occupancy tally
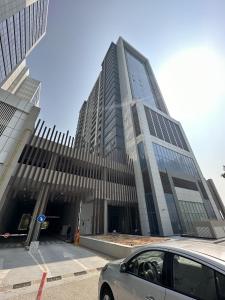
(140, 84)
(126, 110)
(19, 33)
(100, 121)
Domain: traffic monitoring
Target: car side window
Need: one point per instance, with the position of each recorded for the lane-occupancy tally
(148, 265)
(193, 279)
(220, 281)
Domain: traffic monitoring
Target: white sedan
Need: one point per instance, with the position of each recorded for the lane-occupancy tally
(168, 271)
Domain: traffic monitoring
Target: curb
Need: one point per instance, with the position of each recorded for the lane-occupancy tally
(49, 279)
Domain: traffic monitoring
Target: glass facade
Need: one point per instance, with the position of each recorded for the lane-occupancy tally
(175, 222)
(153, 223)
(113, 136)
(172, 161)
(19, 33)
(192, 212)
(136, 120)
(185, 184)
(165, 129)
(139, 80)
(209, 209)
(171, 205)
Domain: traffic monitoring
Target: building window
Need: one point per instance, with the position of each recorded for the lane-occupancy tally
(174, 162)
(185, 184)
(165, 129)
(192, 212)
(139, 80)
(170, 201)
(150, 122)
(209, 209)
(157, 125)
(136, 120)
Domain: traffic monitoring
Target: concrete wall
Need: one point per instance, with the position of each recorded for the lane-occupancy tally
(107, 248)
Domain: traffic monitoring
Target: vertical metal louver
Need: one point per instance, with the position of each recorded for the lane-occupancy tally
(165, 129)
(157, 125)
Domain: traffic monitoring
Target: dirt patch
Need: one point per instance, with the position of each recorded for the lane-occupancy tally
(130, 240)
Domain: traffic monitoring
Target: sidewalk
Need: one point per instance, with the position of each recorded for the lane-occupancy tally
(60, 260)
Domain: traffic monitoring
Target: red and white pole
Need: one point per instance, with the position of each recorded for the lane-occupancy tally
(42, 283)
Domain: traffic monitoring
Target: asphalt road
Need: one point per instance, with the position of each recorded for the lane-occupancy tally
(83, 287)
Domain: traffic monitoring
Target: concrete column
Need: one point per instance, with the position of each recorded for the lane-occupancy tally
(40, 207)
(105, 217)
(37, 228)
(75, 219)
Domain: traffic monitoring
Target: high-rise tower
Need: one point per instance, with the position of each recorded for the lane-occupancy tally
(100, 122)
(126, 111)
(22, 25)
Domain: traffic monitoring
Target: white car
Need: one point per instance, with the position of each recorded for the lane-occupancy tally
(169, 271)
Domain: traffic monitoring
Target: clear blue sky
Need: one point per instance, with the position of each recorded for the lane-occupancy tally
(178, 37)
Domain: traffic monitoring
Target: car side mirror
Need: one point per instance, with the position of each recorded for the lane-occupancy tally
(123, 267)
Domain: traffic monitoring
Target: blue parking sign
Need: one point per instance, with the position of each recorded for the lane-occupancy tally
(41, 218)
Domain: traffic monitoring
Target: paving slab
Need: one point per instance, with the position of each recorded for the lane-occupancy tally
(17, 265)
(78, 288)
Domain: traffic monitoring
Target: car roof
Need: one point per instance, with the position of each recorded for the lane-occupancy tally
(213, 252)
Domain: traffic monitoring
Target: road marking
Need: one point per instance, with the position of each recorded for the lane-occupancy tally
(71, 256)
(3, 273)
(79, 263)
(43, 266)
(44, 263)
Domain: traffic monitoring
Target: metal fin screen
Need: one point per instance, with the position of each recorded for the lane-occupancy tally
(6, 113)
(165, 129)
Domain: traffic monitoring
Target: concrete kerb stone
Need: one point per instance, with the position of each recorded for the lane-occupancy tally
(49, 279)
